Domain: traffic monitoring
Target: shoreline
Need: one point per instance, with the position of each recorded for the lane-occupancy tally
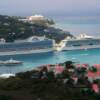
(56, 80)
(38, 68)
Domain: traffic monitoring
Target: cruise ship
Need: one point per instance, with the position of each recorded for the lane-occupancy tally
(82, 41)
(31, 45)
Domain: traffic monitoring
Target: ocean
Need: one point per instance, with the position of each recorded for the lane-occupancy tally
(30, 61)
(76, 26)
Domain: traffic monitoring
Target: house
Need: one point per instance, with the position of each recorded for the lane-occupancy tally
(95, 88)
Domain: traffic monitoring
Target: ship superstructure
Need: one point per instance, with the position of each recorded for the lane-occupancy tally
(33, 44)
(82, 41)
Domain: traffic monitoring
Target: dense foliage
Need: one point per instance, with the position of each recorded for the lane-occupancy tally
(46, 85)
(12, 28)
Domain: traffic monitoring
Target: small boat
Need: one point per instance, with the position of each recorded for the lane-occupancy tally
(6, 75)
(10, 62)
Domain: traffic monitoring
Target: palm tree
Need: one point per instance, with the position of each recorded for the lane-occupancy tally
(69, 64)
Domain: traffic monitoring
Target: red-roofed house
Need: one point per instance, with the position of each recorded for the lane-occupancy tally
(82, 65)
(97, 66)
(93, 75)
(85, 66)
(78, 66)
(58, 69)
(95, 88)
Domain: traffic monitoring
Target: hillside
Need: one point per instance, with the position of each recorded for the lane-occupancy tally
(12, 28)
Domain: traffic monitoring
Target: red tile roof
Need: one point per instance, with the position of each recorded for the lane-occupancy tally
(97, 66)
(75, 78)
(82, 65)
(95, 88)
(59, 69)
(93, 74)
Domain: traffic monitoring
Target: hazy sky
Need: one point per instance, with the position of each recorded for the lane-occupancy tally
(52, 7)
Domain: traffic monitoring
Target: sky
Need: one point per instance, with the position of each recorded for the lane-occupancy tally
(50, 7)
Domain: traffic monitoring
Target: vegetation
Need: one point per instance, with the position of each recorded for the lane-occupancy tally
(12, 28)
(42, 84)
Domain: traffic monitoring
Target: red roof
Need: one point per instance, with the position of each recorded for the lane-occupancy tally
(93, 74)
(78, 66)
(75, 78)
(95, 88)
(85, 65)
(97, 66)
(59, 69)
(82, 65)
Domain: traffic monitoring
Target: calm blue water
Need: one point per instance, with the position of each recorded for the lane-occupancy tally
(91, 56)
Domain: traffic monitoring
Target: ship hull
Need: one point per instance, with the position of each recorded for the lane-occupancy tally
(81, 47)
(25, 52)
(77, 44)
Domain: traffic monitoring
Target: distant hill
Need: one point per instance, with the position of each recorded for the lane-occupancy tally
(12, 28)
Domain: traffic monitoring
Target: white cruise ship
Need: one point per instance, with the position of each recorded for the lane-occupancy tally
(31, 45)
(82, 41)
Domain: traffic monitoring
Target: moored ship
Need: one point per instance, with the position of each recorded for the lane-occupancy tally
(83, 41)
(31, 45)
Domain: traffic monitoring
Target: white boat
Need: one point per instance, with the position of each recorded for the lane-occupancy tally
(6, 75)
(83, 41)
(10, 62)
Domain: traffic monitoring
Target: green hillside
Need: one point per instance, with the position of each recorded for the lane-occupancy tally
(12, 28)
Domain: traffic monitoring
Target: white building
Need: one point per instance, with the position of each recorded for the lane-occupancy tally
(36, 17)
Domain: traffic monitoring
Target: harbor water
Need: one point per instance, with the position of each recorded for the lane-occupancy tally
(31, 61)
(75, 25)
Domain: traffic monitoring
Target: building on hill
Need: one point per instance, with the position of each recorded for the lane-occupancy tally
(33, 18)
(36, 17)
